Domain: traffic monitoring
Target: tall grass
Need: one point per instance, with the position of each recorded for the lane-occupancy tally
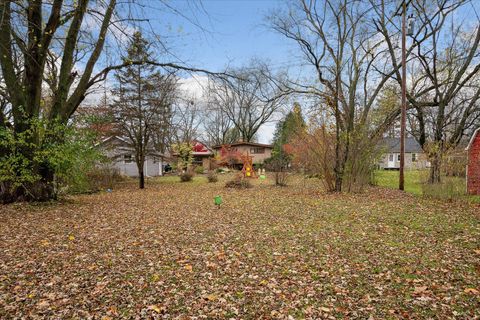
(450, 188)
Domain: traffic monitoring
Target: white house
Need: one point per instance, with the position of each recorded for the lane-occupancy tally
(122, 155)
(415, 157)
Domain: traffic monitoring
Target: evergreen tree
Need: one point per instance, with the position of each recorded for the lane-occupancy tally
(143, 101)
(286, 129)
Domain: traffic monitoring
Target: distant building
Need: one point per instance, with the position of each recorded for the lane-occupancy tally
(473, 166)
(415, 158)
(202, 155)
(122, 155)
(258, 151)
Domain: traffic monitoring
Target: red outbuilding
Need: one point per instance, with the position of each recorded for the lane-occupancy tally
(473, 166)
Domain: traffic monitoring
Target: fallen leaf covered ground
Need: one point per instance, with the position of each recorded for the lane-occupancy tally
(267, 252)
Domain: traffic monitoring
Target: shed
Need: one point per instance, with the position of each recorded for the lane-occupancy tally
(473, 164)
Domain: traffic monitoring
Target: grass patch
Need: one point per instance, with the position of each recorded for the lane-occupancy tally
(174, 179)
(389, 179)
(451, 188)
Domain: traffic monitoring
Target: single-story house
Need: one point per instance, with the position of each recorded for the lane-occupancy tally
(201, 153)
(258, 151)
(122, 155)
(415, 157)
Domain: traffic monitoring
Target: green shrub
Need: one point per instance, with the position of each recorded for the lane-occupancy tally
(238, 182)
(185, 155)
(186, 177)
(212, 176)
(65, 151)
(199, 170)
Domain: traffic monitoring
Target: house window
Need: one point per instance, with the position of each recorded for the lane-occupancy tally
(127, 158)
(398, 158)
(257, 150)
(390, 158)
(414, 157)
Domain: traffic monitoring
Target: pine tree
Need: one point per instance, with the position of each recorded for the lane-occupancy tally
(286, 129)
(143, 99)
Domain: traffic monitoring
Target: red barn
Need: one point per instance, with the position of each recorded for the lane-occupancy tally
(473, 167)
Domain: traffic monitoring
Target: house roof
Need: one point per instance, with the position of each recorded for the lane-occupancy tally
(472, 138)
(253, 144)
(126, 147)
(112, 138)
(198, 149)
(393, 145)
(201, 149)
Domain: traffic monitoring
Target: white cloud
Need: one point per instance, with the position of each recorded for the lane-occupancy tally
(265, 134)
(194, 86)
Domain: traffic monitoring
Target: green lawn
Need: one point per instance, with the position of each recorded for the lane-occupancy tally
(295, 252)
(451, 188)
(413, 180)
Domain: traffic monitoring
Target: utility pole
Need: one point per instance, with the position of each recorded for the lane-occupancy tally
(401, 182)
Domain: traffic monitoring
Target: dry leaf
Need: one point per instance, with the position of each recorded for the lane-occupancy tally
(156, 308)
(43, 304)
(420, 290)
(211, 297)
(471, 291)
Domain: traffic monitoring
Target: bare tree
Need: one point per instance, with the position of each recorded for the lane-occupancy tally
(41, 43)
(248, 101)
(186, 120)
(218, 127)
(338, 41)
(445, 59)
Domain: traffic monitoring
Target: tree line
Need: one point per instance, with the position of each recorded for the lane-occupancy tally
(50, 61)
(353, 51)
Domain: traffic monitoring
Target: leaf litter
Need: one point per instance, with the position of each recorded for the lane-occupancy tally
(268, 253)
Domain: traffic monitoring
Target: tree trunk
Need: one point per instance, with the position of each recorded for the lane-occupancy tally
(141, 175)
(41, 190)
(338, 182)
(435, 168)
(141, 181)
(338, 166)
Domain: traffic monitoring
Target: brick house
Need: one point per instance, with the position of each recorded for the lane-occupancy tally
(473, 166)
(258, 151)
